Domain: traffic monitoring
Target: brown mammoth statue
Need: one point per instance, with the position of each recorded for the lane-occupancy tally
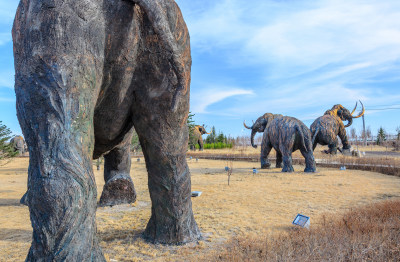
(198, 131)
(87, 72)
(327, 128)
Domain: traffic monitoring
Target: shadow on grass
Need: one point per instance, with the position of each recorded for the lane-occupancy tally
(125, 236)
(9, 202)
(15, 235)
(14, 171)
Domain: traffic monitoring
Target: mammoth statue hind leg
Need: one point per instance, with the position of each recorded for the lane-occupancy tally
(118, 188)
(61, 187)
(309, 160)
(57, 81)
(160, 111)
(278, 159)
(164, 144)
(286, 151)
(333, 147)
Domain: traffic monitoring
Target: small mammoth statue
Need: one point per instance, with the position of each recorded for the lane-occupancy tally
(198, 131)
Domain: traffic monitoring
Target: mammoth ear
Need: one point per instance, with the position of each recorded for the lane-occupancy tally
(340, 112)
(264, 122)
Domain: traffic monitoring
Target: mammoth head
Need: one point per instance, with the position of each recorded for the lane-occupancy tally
(344, 114)
(202, 130)
(260, 125)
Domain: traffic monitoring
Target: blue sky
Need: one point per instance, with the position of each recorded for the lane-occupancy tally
(296, 58)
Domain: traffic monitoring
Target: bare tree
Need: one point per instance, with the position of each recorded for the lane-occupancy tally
(353, 134)
(368, 132)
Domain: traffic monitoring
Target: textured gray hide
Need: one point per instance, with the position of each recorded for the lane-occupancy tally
(87, 71)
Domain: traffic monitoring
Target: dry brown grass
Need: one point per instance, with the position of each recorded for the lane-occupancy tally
(260, 204)
(370, 233)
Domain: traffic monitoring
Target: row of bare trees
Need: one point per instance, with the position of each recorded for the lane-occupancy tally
(382, 138)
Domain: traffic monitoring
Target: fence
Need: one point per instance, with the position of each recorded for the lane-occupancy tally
(388, 167)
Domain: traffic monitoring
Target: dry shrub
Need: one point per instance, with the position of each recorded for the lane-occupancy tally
(370, 233)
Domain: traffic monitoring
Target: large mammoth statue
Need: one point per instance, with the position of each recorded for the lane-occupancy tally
(198, 131)
(19, 144)
(285, 134)
(327, 128)
(87, 71)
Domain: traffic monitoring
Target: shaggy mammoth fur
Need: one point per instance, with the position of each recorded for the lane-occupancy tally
(86, 72)
(327, 128)
(285, 134)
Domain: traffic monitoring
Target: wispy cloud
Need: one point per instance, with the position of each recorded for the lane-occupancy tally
(301, 34)
(307, 55)
(200, 100)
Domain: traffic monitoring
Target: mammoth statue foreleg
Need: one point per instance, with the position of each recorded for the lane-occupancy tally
(266, 148)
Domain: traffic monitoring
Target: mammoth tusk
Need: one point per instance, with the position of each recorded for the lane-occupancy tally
(362, 112)
(352, 112)
(244, 123)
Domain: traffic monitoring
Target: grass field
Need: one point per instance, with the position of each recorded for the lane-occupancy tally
(261, 204)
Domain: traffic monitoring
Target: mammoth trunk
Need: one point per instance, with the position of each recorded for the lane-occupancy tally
(349, 122)
(253, 133)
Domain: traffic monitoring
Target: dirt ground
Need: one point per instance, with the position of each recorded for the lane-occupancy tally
(262, 203)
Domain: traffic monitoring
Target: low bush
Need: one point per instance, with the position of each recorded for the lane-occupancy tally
(218, 145)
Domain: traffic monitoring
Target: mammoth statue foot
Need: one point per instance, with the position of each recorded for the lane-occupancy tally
(287, 169)
(310, 170)
(265, 164)
(118, 191)
(346, 151)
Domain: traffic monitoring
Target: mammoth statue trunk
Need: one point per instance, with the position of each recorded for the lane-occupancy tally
(349, 122)
(253, 133)
(87, 72)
